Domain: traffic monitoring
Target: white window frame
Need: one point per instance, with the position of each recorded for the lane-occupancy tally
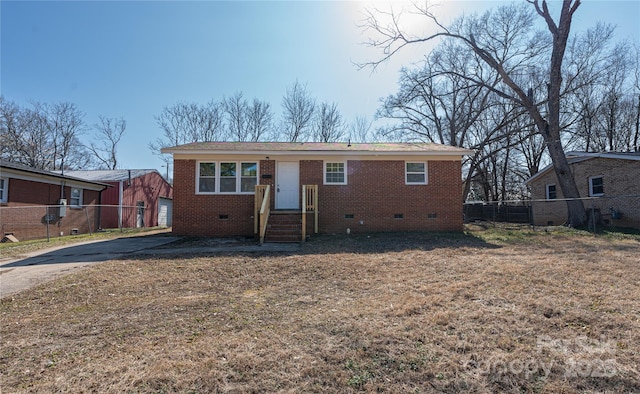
(407, 173)
(4, 190)
(591, 193)
(217, 176)
(79, 204)
(324, 172)
(547, 191)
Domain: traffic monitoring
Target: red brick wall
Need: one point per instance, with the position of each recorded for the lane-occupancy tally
(375, 192)
(25, 212)
(199, 215)
(147, 188)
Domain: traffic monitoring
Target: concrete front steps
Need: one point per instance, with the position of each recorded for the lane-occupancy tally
(284, 226)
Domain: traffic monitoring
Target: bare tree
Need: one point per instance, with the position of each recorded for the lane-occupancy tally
(44, 136)
(236, 108)
(360, 130)
(10, 134)
(601, 100)
(183, 123)
(209, 121)
(109, 132)
(440, 103)
(34, 145)
(328, 125)
(259, 119)
(505, 40)
(67, 125)
(298, 108)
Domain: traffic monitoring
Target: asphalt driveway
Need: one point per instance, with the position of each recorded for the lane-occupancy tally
(44, 265)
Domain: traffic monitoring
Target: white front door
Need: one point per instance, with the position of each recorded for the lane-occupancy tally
(287, 185)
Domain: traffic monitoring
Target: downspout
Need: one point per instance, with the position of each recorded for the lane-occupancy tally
(62, 184)
(120, 191)
(100, 209)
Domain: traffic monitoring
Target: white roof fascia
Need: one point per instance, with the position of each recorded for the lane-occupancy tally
(319, 152)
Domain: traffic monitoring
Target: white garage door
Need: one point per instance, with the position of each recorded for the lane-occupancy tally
(165, 206)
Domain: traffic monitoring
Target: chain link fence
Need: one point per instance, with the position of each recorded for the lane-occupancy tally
(48, 221)
(604, 213)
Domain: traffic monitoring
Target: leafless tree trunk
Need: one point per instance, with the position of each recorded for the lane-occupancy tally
(298, 108)
(109, 133)
(67, 123)
(438, 103)
(328, 125)
(34, 145)
(259, 119)
(236, 108)
(45, 136)
(10, 135)
(503, 41)
(360, 130)
(183, 123)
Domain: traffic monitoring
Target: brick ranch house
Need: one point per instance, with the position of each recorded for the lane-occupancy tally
(137, 198)
(224, 189)
(30, 203)
(609, 184)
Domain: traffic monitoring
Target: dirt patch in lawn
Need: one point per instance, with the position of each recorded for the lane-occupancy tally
(391, 313)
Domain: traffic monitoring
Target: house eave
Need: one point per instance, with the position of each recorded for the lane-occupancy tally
(606, 155)
(50, 178)
(274, 153)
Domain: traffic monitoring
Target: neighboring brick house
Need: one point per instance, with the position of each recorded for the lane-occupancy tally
(360, 187)
(30, 203)
(609, 184)
(137, 198)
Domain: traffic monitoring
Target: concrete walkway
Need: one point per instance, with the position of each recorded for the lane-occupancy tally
(44, 265)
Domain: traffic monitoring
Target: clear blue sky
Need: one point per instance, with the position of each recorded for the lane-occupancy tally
(129, 59)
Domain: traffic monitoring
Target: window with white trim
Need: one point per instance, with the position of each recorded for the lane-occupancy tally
(248, 177)
(335, 173)
(596, 186)
(4, 189)
(75, 198)
(551, 192)
(207, 177)
(415, 173)
(227, 177)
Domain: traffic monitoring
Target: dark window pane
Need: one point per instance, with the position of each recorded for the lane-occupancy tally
(249, 169)
(207, 185)
(207, 169)
(227, 169)
(227, 185)
(248, 185)
(597, 186)
(415, 178)
(415, 167)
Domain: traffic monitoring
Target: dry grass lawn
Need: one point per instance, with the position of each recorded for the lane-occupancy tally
(482, 312)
